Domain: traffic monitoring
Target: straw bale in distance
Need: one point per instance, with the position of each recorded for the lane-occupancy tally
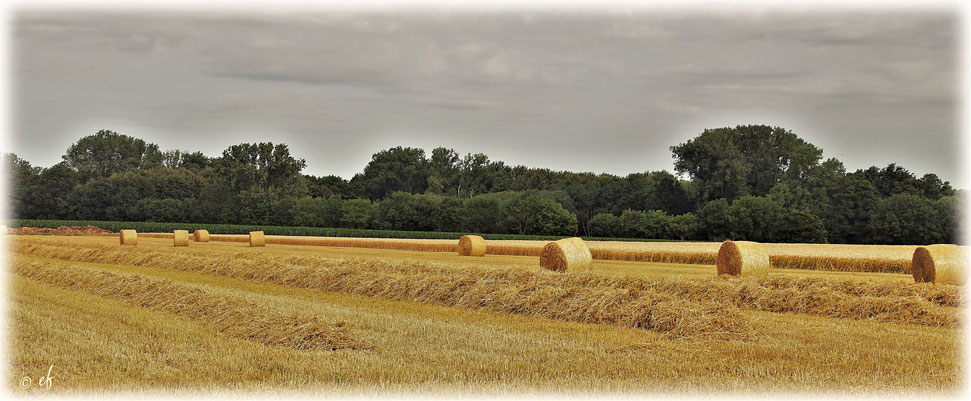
(738, 257)
(472, 245)
(256, 238)
(200, 235)
(129, 237)
(941, 263)
(569, 254)
(180, 237)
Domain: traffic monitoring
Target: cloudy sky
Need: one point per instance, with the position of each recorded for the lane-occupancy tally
(602, 92)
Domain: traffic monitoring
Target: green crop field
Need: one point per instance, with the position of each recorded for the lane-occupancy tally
(148, 226)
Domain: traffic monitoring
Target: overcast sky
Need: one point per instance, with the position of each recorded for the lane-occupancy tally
(601, 92)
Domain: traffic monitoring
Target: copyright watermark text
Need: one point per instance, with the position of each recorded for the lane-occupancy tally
(44, 381)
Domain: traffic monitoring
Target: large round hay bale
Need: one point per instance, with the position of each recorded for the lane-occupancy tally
(180, 237)
(742, 257)
(200, 235)
(941, 263)
(256, 238)
(129, 237)
(569, 254)
(472, 245)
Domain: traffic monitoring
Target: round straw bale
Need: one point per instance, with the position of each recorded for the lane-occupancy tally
(256, 238)
(472, 245)
(738, 257)
(200, 235)
(180, 237)
(569, 254)
(941, 263)
(129, 237)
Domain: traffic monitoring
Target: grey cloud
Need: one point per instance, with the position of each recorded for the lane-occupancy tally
(596, 91)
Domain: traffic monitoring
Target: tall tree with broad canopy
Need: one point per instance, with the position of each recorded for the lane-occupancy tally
(746, 160)
(108, 152)
(262, 166)
(395, 169)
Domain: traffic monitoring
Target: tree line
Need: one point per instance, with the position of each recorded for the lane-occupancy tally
(752, 182)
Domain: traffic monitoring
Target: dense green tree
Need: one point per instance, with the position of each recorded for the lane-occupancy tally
(326, 186)
(683, 226)
(745, 160)
(263, 166)
(443, 172)
(449, 215)
(430, 212)
(311, 212)
(587, 196)
(253, 205)
(631, 222)
(755, 218)
(844, 204)
(115, 196)
(395, 169)
(932, 187)
(891, 180)
(791, 196)
(481, 213)
(949, 208)
(530, 212)
(107, 152)
(640, 224)
(180, 159)
(398, 212)
(552, 219)
(713, 220)
(161, 210)
(605, 225)
(318, 212)
(105, 200)
(907, 219)
(281, 211)
(47, 194)
(657, 190)
(20, 179)
(748, 182)
(357, 213)
(800, 226)
(474, 174)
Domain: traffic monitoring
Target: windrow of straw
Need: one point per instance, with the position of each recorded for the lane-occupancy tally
(374, 243)
(850, 258)
(231, 315)
(157, 235)
(766, 295)
(943, 295)
(842, 264)
(542, 294)
(910, 303)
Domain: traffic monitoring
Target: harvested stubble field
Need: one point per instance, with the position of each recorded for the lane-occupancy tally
(433, 321)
